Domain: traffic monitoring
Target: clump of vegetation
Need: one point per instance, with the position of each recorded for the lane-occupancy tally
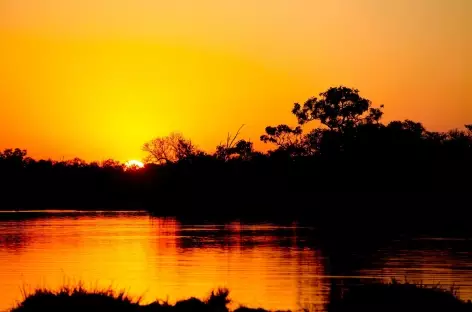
(78, 298)
(395, 296)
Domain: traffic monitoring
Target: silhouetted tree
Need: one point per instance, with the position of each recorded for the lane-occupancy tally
(458, 142)
(286, 138)
(12, 159)
(322, 142)
(242, 149)
(16, 155)
(112, 164)
(28, 161)
(338, 108)
(76, 162)
(435, 137)
(415, 129)
(232, 147)
(169, 149)
(345, 164)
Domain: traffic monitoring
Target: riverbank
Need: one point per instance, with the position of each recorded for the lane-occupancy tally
(375, 296)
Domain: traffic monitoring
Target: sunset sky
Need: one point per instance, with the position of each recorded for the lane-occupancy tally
(98, 78)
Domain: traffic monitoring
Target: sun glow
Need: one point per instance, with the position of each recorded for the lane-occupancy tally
(134, 164)
(72, 69)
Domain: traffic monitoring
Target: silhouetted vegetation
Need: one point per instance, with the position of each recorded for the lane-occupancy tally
(338, 162)
(80, 299)
(375, 296)
(395, 296)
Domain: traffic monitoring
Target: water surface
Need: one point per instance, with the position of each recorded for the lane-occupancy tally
(264, 265)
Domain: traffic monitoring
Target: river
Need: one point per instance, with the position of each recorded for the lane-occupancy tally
(264, 265)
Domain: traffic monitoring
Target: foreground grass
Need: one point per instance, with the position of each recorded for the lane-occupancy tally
(80, 299)
(396, 296)
(372, 297)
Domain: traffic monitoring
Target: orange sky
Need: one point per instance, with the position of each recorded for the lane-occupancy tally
(97, 78)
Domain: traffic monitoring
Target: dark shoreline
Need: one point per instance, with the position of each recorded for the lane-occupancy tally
(374, 296)
(350, 172)
(336, 212)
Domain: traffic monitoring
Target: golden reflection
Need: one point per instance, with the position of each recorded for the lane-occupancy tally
(263, 265)
(161, 258)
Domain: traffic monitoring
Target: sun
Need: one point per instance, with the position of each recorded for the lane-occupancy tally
(134, 164)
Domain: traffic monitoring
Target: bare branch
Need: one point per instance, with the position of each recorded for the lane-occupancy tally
(236, 135)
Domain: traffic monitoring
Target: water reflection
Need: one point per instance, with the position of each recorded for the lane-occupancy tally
(246, 258)
(264, 265)
(427, 260)
(14, 237)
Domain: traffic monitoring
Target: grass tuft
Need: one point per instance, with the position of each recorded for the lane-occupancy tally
(77, 298)
(398, 296)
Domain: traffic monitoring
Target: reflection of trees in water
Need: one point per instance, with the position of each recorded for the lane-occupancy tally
(234, 235)
(348, 259)
(14, 236)
(18, 230)
(310, 276)
(241, 236)
(419, 253)
(166, 231)
(247, 252)
(429, 261)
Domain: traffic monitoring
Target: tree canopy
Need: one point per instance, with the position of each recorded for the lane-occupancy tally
(169, 149)
(338, 108)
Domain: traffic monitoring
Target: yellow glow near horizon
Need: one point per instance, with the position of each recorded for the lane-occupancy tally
(97, 79)
(134, 164)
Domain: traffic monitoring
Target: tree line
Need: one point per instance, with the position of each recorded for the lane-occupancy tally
(338, 155)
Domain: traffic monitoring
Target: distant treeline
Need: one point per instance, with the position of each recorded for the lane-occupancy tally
(339, 160)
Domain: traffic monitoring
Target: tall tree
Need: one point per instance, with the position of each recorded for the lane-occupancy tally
(13, 158)
(339, 109)
(284, 136)
(169, 149)
(232, 147)
(112, 164)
